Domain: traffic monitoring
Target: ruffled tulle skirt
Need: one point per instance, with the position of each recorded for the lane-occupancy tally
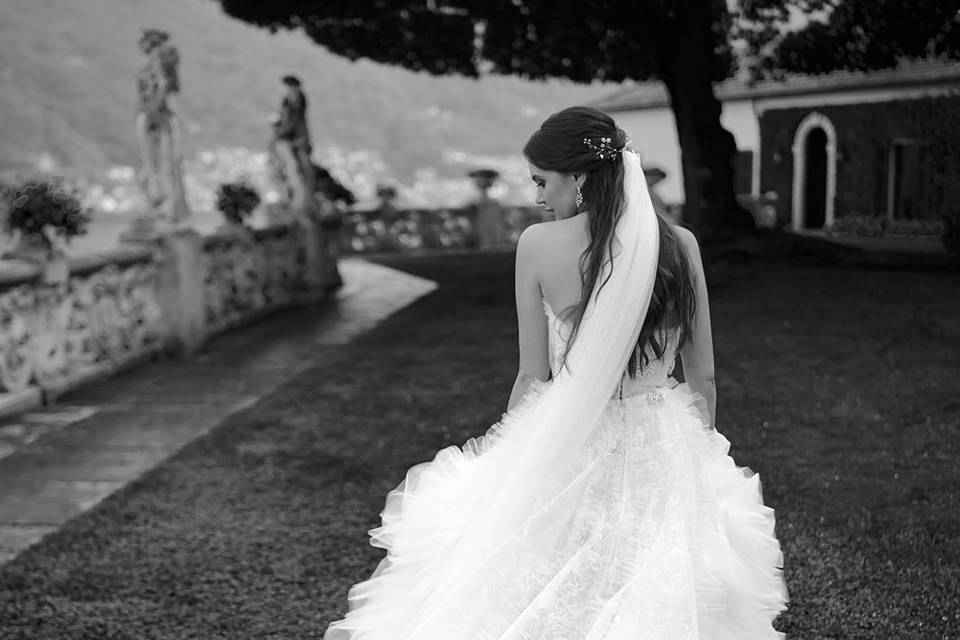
(656, 535)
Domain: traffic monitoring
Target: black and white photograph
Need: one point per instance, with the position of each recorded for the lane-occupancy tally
(505, 320)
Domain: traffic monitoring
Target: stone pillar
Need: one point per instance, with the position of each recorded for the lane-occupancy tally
(311, 237)
(488, 222)
(180, 290)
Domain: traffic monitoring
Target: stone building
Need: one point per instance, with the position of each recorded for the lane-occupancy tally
(878, 144)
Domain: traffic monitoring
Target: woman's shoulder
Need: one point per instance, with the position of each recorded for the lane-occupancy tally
(683, 234)
(536, 237)
(551, 238)
(688, 240)
(529, 247)
(690, 247)
(571, 228)
(533, 232)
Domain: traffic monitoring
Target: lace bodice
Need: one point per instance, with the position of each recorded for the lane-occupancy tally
(654, 374)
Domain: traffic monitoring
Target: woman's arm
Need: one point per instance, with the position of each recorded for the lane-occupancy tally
(697, 353)
(534, 360)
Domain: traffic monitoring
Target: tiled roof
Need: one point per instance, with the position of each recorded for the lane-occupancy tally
(646, 95)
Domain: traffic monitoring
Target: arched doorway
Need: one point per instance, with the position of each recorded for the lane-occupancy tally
(815, 187)
(814, 173)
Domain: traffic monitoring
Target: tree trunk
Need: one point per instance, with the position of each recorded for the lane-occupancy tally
(707, 149)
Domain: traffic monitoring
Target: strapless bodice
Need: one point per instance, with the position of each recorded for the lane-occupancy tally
(654, 374)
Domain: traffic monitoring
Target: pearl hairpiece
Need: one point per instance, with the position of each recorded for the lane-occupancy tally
(605, 149)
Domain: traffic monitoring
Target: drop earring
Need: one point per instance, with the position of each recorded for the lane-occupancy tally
(579, 198)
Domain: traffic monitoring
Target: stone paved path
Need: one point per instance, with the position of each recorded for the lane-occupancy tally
(59, 461)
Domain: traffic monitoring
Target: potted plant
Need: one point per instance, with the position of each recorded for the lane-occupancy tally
(33, 211)
(236, 201)
(335, 195)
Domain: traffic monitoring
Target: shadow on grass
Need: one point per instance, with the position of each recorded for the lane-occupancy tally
(837, 385)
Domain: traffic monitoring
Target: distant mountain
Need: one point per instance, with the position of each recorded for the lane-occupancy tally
(67, 96)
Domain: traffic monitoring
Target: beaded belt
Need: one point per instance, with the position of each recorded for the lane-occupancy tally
(652, 389)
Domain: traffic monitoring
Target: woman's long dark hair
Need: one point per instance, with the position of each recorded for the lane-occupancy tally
(559, 145)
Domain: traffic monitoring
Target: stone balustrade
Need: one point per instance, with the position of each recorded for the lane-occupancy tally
(367, 231)
(172, 293)
(168, 294)
(104, 311)
(246, 273)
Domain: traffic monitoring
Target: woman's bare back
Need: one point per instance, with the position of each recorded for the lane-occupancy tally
(560, 278)
(550, 270)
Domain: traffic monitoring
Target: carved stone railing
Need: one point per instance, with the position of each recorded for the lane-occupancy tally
(105, 312)
(170, 293)
(367, 231)
(246, 273)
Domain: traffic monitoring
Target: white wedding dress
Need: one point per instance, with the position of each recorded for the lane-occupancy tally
(665, 538)
(628, 523)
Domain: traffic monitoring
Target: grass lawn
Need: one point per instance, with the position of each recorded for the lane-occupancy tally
(840, 386)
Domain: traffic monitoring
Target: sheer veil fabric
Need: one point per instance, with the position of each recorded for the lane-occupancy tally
(452, 527)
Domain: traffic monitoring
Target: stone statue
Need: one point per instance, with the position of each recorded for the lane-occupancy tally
(158, 129)
(290, 150)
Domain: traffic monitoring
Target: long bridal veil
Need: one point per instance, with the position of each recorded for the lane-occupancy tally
(454, 528)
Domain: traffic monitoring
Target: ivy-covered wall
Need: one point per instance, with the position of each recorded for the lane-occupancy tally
(864, 134)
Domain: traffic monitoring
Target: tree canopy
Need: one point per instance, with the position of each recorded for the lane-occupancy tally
(613, 40)
(852, 35)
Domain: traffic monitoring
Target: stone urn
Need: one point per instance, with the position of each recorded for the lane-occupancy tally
(483, 179)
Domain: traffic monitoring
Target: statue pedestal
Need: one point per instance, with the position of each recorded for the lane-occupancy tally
(180, 286)
(489, 223)
(180, 289)
(312, 238)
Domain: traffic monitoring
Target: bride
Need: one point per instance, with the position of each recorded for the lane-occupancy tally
(603, 505)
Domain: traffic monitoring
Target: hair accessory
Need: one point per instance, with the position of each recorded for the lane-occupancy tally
(605, 149)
